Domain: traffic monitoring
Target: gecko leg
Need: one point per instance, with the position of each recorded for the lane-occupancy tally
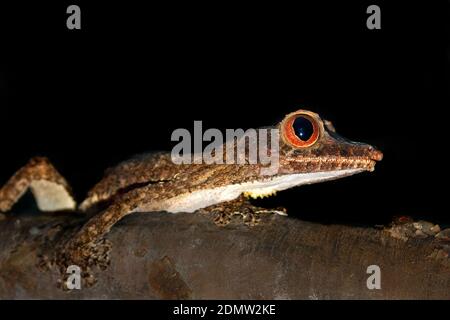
(50, 189)
(241, 207)
(82, 249)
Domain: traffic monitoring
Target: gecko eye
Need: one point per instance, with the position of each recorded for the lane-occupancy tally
(301, 130)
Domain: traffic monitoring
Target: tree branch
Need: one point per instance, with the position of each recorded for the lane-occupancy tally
(186, 256)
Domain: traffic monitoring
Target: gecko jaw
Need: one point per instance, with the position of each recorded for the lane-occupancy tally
(333, 163)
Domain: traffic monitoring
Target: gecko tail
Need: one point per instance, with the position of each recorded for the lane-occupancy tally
(49, 188)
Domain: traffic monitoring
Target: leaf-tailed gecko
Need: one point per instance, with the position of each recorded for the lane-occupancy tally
(310, 151)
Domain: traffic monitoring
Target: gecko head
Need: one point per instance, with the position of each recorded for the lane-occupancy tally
(310, 151)
(310, 144)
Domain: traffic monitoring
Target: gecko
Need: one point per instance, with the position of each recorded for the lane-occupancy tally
(310, 151)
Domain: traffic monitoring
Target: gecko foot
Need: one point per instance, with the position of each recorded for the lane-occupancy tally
(86, 258)
(248, 218)
(56, 254)
(249, 214)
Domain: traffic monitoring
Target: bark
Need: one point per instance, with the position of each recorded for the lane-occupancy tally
(186, 256)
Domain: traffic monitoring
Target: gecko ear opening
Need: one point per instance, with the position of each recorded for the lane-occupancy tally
(300, 129)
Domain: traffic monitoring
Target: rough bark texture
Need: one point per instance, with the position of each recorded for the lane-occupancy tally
(185, 256)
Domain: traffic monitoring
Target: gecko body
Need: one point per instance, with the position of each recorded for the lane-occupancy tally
(310, 151)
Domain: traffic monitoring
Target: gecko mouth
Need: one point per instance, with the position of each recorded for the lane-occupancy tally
(364, 158)
(343, 163)
(333, 163)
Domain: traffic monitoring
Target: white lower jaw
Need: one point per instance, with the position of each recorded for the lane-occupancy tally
(204, 198)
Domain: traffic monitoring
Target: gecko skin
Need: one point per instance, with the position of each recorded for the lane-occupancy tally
(310, 152)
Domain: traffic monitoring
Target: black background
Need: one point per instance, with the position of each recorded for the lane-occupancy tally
(92, 97)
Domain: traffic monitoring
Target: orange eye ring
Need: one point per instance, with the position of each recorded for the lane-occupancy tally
(300, 124)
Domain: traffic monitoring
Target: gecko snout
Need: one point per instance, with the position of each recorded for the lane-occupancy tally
(375, 154)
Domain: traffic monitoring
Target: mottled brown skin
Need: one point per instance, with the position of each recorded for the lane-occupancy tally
(153, 181)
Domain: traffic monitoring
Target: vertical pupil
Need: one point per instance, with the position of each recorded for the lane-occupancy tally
(303, 128)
